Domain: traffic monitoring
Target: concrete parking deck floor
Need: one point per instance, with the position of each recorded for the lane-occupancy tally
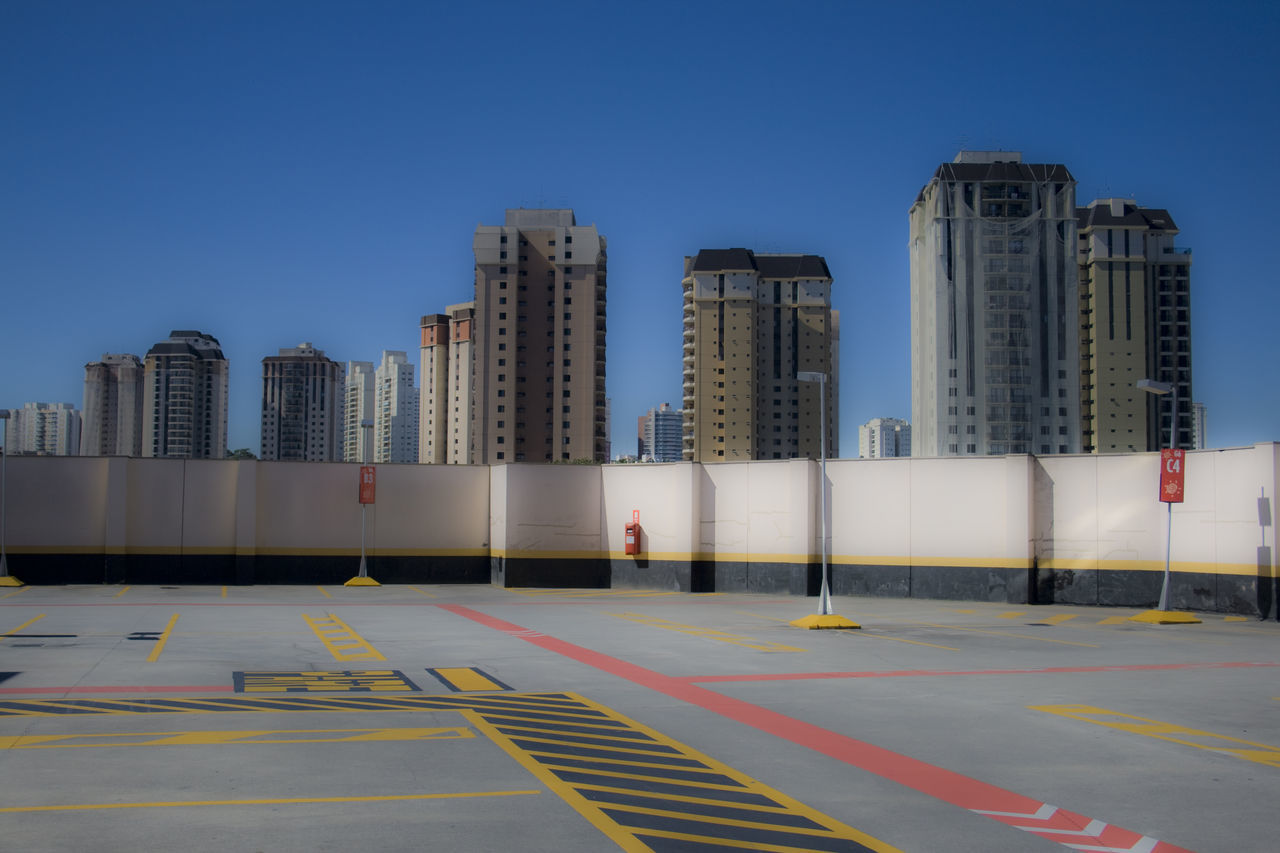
(466, 718)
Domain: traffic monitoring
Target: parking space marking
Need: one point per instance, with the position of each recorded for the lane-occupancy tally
(23, 625)
(1056, 620)
(342, 642)
(324, 592)
(463, 679)
(639, 787)
(708, 633)
(163, 641)
(423, 592)
(284, 801)
(1259, 753)
(1012, 614)
(347, 680)
(223, 738)
(122, 592)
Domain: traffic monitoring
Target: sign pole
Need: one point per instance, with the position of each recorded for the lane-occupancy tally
(368, 484)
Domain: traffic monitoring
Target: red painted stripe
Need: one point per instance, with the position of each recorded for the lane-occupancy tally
(906, 673)
(937, 782)
(170, 688)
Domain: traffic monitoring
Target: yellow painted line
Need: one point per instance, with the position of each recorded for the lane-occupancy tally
(855, 635)
(213, 738)
(423, 592)
(342, 642)
(708, 633)
(122, 592)
(964, 611)
(269, 802)
(164, 638)
(1012, 614)
(1236, 619)
(15, 592)
(1007, 634)
(1059, 619)
(465, 679)
(224, 592)
(1114, 620)
(324, 592)
(1259, 753)
(23, 625)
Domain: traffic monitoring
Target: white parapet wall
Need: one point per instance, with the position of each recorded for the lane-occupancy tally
(1071, 529)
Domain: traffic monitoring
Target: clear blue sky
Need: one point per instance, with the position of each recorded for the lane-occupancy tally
(274, 172)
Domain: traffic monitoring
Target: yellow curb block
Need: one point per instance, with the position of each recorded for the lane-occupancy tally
(828, 621)
(359, 581)
(10, 580)
(1165, 617)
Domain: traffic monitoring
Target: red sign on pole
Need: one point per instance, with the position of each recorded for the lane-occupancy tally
(1172, 469)
(367, 483)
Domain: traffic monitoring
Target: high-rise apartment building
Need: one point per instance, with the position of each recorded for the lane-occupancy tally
(1135, 323)
(395, 410)
(185, 384)
(446, 396)
(357, 442)
(112, 410)
(302, 406)
(995, 344)
(881, 438)
(44, 429)
(662, 435)
(539, 340)
(1199, 426)
(751, 323)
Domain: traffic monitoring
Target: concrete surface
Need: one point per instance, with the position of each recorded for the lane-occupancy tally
(624, 719)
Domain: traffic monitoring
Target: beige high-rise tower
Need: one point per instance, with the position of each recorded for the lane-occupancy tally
(184, 393)
(112, 410)
(446, 356)
(751, 323)
(539, 340)
(1135, 323)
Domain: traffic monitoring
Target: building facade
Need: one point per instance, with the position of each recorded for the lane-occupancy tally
(539, 340)
(751, 323)
(662, 435)
(881, 438)
(357, 442)
(112, 410)
(185, 385)
(395, 410)
(44, 429)
(995, 345)
(1135, 323)
(302, 406)
(446, 398)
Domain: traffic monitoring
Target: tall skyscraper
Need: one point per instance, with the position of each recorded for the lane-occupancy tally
(751, 323)
(357, 443)
(302, 406)
(1135, 305)
(539, 366)
(112, 410)
(446, 397)
(662, 435)
(1200, 426)
(184, 393)
(995, 344)
(44, 429)
(395, 410)
(881, 438)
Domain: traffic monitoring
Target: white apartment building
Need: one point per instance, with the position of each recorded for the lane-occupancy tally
(995, 340)
(395, 410)
(44, 429)
(112, 410)
(357, 443)
(880, 438)
(185, 386)
(302, 406)
(661, 433)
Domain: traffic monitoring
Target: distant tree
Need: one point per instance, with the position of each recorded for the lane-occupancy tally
(241, 453)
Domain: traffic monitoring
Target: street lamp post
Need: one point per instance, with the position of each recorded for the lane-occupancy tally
(4, 463)
(825, 618)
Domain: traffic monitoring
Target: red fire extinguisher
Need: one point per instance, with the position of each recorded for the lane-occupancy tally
(632, 539)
